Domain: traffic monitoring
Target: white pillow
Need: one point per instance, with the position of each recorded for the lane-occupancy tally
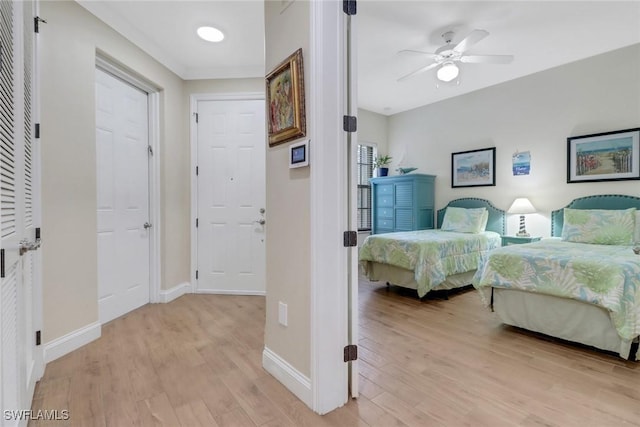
(636, 230)
(485, 219)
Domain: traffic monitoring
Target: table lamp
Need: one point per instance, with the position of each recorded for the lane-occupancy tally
(522, 206)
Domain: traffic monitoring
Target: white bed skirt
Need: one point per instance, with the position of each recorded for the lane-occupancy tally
(406, 278)
(563, 318)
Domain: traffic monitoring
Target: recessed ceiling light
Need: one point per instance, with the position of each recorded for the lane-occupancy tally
(210, 34)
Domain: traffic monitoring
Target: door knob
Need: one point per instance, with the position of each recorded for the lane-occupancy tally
(147, 225)
(261, 221)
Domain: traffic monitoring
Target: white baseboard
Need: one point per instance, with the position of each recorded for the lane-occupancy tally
(71, 341)
(229, 292)
(177, 291)
(291, 378)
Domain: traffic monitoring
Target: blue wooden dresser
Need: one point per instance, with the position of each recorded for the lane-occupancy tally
(402, 203)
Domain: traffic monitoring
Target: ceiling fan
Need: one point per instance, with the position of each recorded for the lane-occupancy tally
(446, 56)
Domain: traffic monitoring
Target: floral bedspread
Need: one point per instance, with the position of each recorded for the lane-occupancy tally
(604, 275)
(431, 254)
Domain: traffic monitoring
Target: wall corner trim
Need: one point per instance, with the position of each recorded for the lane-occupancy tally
(290, 377)
(72, 341)
(168, 295)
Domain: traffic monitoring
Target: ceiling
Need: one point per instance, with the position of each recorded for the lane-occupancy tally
(540, 34)
(167, 31)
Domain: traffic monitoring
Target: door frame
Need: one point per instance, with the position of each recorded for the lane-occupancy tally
(193, 131)
(329, 305)
(108, 65)
(37, 289)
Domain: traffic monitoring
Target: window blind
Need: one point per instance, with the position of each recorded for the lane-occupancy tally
(365, 171)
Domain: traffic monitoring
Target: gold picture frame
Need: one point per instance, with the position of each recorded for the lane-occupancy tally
(285, 101)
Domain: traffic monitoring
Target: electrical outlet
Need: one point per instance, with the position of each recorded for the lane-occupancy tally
(282, 313)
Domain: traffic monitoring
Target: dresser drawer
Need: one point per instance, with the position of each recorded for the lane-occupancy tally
(385, 200)
(382, 189)
(384, 213)
(382, 223)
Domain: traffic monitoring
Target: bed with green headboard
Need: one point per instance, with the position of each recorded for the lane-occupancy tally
(427, 260)
(581, 285)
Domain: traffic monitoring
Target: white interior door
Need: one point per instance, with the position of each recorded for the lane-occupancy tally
(231, 196)
(20, 356)
(122, 151)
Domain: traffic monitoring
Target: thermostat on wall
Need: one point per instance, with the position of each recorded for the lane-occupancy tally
(299, 154)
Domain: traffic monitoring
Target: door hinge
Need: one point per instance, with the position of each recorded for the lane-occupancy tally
(349, 7)
(196, 114)
(2, 263)
(38, 338)
(38, 233)
(150, 150)
(350, 239)
(196, 274)
(350, 353)
(36, 23)
(350, 123)
(196, 170)
(37, 131)
(197, 222)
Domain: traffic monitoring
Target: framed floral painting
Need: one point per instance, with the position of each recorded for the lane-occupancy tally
(285, 101)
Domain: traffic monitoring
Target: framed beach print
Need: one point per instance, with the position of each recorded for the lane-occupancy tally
(285, 101)
(475, 168)
(609, 156)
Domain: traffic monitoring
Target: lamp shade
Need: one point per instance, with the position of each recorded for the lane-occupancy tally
(521, 206)
(447, 72)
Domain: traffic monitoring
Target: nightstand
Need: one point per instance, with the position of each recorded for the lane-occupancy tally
(516, 240)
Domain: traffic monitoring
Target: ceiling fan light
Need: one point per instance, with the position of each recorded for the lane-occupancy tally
(447, 72)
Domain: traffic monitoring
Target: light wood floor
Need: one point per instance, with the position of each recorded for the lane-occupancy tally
(197, 362)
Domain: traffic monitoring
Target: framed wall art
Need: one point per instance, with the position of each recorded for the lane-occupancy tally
(474, 168)
(609, 156)
(285, 101)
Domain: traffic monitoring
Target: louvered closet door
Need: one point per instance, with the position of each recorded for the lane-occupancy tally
(21, 360)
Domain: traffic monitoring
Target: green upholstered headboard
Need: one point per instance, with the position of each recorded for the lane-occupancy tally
(496, 221)
(602, 201)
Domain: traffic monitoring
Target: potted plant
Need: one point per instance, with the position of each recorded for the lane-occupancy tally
(382, 164)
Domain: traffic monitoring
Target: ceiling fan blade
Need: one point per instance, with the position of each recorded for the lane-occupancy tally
(418, 71)
(474, 37)
(418, 52)
(487, 59)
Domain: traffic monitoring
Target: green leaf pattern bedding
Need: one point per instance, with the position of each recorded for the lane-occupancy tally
(604, 275)
(431, 254)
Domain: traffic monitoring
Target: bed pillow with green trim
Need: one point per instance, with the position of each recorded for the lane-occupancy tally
(464, 220)
(599, 226)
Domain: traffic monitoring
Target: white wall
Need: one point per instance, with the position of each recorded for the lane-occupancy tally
(218, 86)
(68, 44)
(288, 205)
(373, 127)
(535, 113)
(307, 213)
